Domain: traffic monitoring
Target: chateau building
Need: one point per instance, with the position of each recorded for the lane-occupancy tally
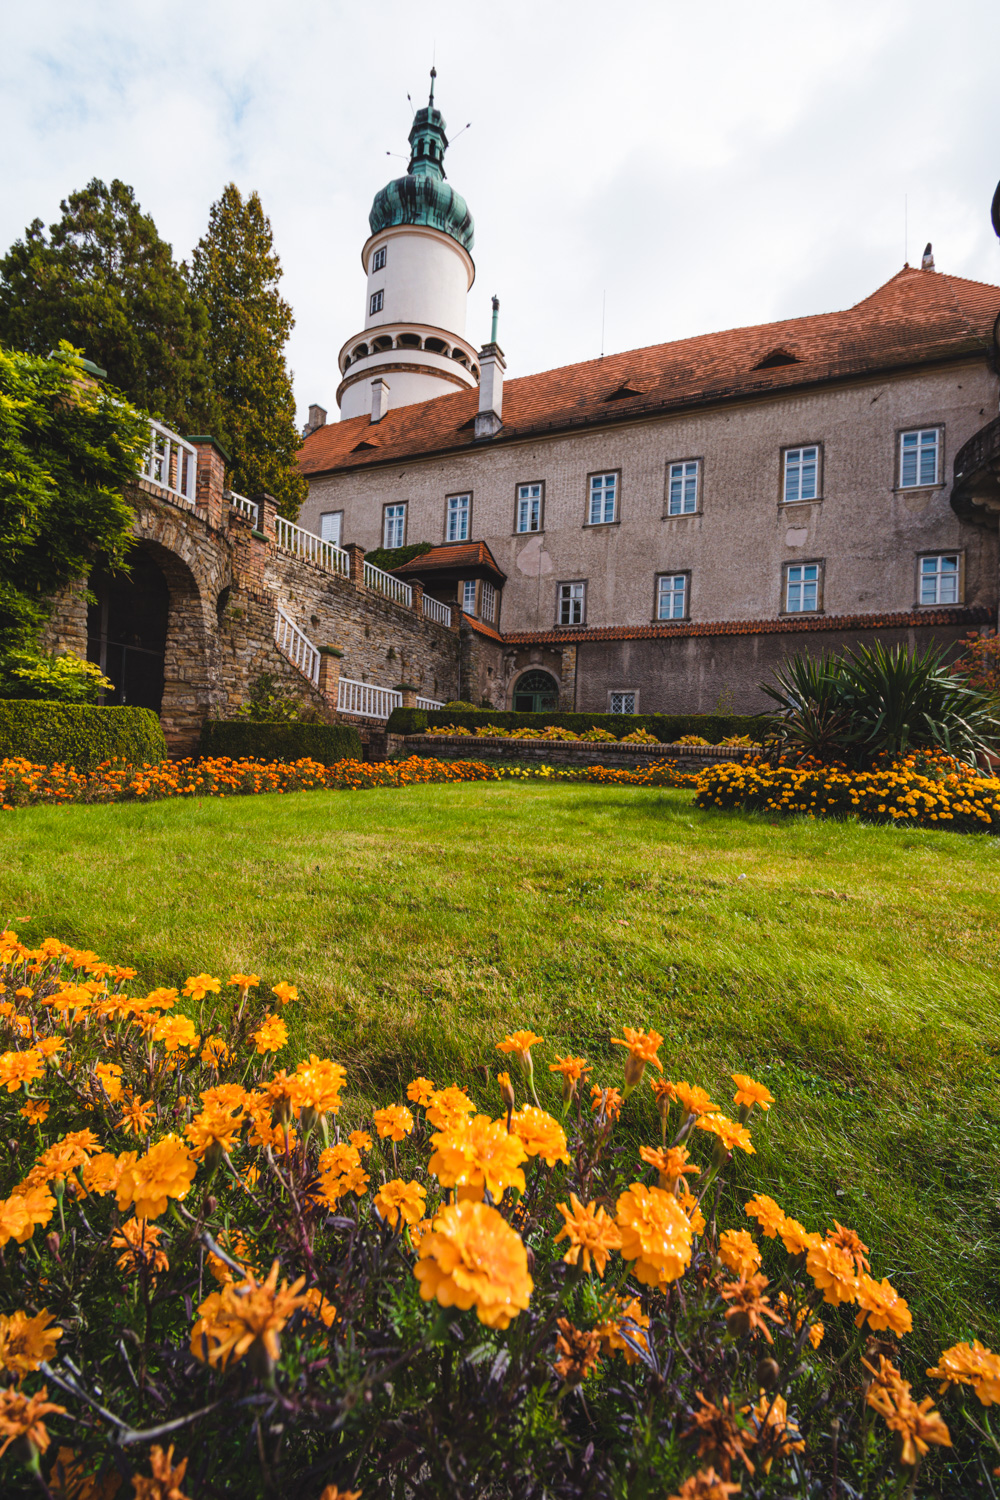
(658, 529)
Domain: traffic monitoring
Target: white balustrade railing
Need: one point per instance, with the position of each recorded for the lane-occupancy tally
(292, 538)
(435, 610)
(248, 508)
(171, 463)
(429, 703)
(384, 583)
(296, 645)
(366, 700)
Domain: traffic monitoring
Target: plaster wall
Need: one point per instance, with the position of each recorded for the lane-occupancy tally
(425, 279)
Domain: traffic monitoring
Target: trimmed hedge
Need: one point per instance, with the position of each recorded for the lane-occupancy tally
(668, 728)
(81, 735)
(252, 739)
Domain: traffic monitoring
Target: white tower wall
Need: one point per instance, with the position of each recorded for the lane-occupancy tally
(426, 278)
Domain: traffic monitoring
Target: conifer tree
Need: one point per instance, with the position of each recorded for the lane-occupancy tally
(235, 274)
(104, 279)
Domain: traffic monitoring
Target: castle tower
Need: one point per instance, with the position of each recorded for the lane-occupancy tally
(419, 273)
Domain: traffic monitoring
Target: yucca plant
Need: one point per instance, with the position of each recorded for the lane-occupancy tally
(815, 720)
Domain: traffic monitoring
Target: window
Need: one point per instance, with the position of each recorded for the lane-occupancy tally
(378, 259)
(529, 507)
(488, 602)
(802, 588)
(918, 457)
(375, 305)
(622, 703)
(469, 596)
(571, 602)
(939, 579)
(331, 526)
(603, 499)
(671, 596)
(801, 474)
(536, 693)
(394, 527)
(682, 488)
(457, 527)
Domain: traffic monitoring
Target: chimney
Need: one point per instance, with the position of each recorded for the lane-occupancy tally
(317, 419)
(489, 418)
(927, 264)
(380, 399)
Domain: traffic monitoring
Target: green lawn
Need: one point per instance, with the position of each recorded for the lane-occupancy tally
(853, 969)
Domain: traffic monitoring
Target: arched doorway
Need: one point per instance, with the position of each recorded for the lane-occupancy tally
(536, 693)
(127, 630)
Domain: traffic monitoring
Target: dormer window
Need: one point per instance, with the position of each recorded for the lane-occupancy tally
(378, 259)
(775, 358)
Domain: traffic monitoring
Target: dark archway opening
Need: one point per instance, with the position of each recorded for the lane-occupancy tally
(127, 630)
(536, 693)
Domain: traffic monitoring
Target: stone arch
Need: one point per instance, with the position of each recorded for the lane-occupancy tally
(535, 692)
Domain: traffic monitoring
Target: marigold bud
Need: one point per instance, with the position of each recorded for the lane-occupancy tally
(768, 1374)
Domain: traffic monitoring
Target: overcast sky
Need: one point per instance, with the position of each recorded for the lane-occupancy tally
(702, 165)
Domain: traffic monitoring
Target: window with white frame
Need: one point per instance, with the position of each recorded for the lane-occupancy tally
(375, 305)
(469, 596)
(603, 499)
(802, 582)
(529, 507)
(488, 602)
(622, 703)
(682, 488)
(457, 528)
(671, 596)
(801, 474)
(939, 578)
(378, 259)
(572, 597)
(331, 526)
(394, 526)
(918, 457)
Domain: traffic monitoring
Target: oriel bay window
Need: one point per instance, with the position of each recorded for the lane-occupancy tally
(458, 513)
(469, 596)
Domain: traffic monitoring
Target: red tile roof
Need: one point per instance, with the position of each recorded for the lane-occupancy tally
(900, 620)
(483, 629)
(915, 318)
(452, 556)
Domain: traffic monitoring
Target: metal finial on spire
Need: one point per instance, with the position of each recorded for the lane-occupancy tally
(430, 102)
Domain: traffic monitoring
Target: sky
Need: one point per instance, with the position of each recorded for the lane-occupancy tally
(637, 172)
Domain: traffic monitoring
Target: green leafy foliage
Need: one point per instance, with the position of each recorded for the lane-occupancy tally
(287, 740)
(79, 735)
(69, 446)
(270, 701)
(668, 728)
(235, 274)
(388, 558)
(979, 664)
(103, 278)
(51, 678)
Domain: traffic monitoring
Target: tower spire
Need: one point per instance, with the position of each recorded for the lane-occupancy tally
(430, 102)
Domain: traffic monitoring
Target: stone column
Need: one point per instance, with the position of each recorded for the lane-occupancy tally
(357, 564)
(268, 510)
(456, 610)
(210, 479)
(409, 693)
(417, 601)
(329, 673)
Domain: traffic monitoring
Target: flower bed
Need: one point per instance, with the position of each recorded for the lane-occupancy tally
(206, 1250)
(922, 791)
(22, 783)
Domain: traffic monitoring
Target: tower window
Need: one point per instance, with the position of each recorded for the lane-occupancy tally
(459, 508)
(378, 259)
(801, 474)
(375, 305)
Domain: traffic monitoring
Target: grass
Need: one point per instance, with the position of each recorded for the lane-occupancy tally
(853, 969)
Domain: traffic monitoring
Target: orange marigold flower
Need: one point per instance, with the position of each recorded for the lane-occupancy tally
(360, 1140)
(748, 1307)
(671, 1163)
(285, 993)
(243, 981)
(973, 1365)
(689, 1203)
(767, 1213)
(25, 1342)
(916, 1425)
(656, 1234)
(591, 1235)
(320, 1307)
(17, 1068)
(214, 1131)
(720, 1434)
(579, 1351)
(401, 1200)
(832, 1269)
(851, 1242)
(271, 1035)
(472, 1258)
(332, 1493)
(749, 1093)
(642, 1049)
(15, 1221)
(48, 1046)
(692, 1099)
(796, 1238)
(137, 1116)
(35, 1111)
(197, 986)
(882, 1305)
(21, 1417)
(521, 1043)
(448, 1106)
(572, 1070)
(506, 1090)
(244, 1316)
(705, 1485)
(478, 1156)
(776, 1435)
(319, 1084)
(166, 1481)
(540, 1135)
(101, 1173)
(215, 1053)
(166, 1171)
(606, 1101)
(394, 1122)
(175, 1032)
(139, 1240)
(728, 1132)
(738, 1252)
(420, 1091)
(620, 1334)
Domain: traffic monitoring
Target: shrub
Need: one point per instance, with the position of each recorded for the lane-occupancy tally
(289, 740)
(79, 735)
(271, 702)
(979, 664)
(665, 728)
(316, 1295)
(47, 678)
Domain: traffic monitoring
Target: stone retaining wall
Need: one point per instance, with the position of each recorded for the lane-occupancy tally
(562, 752)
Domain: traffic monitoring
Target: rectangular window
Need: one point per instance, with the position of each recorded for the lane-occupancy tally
(529, 507)
(671, 596)
(488, 603)
(939, 577)
(603, 499)
(375, 305)
(331, 526)
(682, 488)
(378, 259)
(469, 596)
(457, 528)
(621, 703)
(394, 527)
(571, 602)
(801, 474)
(918, 457)
(802, 588)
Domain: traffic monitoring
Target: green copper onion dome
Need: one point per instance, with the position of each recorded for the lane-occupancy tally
(423, 196)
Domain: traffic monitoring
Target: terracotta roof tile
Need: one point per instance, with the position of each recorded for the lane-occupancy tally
(482, 629)
(916, 317)
(452, 555)
(570, 635)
